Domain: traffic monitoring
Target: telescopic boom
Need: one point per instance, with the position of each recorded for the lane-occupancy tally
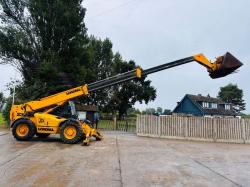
(223, 66)
(43, 117)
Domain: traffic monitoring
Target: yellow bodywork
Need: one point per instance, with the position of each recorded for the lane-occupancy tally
(57, 99)
(201, 59)
(18, 111)
(138, 72)
(48, 123)
(88, 131)
(51, 124)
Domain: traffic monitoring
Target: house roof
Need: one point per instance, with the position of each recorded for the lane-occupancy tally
(200, 98)
(87, 108)
(220, 110)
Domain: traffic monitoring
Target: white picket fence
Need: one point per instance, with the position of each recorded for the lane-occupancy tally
(194, 128)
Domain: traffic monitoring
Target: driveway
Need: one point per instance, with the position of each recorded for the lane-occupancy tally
(121, 160)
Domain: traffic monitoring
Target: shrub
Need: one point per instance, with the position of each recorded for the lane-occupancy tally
(6, 110)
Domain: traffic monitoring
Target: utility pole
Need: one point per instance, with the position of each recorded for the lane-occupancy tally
(14, 90)
(13, 96)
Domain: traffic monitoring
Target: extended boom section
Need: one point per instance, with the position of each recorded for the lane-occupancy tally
(117, 79)
(223, 66)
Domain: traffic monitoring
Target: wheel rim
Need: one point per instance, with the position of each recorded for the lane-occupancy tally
(70, 132)
(22, 130)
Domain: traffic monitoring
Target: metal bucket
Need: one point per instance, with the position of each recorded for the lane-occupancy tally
(225, 65)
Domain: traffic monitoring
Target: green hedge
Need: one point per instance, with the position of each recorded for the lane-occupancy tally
(6, 111)
(2, 121)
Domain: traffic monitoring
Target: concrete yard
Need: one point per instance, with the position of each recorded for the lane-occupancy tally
(122, 160)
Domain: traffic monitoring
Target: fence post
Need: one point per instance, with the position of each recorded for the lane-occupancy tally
(243, 130)
(215, 129)
(185, 128)
(126, 126)
(114, 122)
(137, 124)
(159, 126)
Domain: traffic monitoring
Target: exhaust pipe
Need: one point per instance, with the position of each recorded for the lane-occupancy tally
(224, 65)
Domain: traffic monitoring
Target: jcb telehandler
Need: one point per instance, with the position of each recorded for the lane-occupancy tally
(43, 117)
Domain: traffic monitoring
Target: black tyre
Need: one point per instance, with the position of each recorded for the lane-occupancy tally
(71, 132)
(23, 129)
(42, 135)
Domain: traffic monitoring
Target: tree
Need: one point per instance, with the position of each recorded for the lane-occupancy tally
(133, 112)
(2, 100)
(120, 97)
(149, 111)
(127, 94)
(246, 116)
(6, 110)
(48, 43)
(167, 112)
(102, 58)
(159, 110)
(1, 97)
(232, 94)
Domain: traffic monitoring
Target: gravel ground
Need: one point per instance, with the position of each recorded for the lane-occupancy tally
(122, 159)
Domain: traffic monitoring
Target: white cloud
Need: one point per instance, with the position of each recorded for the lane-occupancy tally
(155, 32)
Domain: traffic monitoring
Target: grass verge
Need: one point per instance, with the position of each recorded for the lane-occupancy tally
(3, 123)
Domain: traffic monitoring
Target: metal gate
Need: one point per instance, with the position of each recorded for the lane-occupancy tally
(114, 124)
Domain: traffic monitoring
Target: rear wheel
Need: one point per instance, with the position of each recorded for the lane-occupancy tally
(71, 132)
(42, 135)
(23, 129)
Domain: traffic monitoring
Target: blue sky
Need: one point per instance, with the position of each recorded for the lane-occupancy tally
(155, 32)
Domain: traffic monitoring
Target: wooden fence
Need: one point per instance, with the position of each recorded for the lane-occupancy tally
(112, 123)
(195, 128)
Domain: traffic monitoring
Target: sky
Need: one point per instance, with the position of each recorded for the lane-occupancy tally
(153, 32)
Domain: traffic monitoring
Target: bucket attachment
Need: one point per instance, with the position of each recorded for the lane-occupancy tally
(224, 66)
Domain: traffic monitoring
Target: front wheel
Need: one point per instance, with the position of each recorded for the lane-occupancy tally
(71, 132)
(23, 129)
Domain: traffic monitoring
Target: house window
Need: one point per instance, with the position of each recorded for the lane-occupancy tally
(214, 105)
(205, 105)
(227, 107)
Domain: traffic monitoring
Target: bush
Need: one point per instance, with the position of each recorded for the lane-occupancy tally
(246, 116)
(6, 110)
(2, 122)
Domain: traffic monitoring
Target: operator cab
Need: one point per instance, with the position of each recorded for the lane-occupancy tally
(69, 111)
(66, 111)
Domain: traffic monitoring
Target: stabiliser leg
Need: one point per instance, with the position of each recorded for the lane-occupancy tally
(88, 131)
(97, 135)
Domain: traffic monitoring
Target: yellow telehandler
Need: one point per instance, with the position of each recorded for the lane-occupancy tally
(42, 117)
